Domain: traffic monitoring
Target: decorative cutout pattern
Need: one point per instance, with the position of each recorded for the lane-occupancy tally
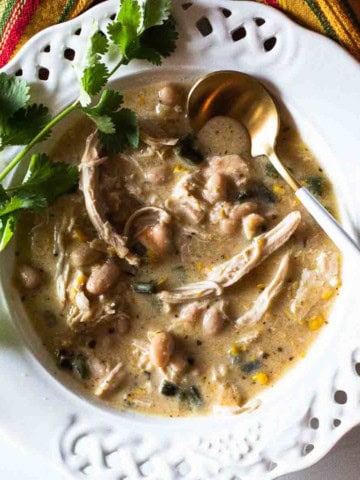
(245, 447)
(238, 34)
(204, 26)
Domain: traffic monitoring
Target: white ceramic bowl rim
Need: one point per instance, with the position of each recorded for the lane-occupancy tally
(294, 426)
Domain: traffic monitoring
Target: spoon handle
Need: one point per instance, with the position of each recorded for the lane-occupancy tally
(327, 222)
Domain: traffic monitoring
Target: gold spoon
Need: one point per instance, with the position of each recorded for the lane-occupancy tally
(243, 98)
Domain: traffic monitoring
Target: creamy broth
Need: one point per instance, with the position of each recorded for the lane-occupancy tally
(124, 330)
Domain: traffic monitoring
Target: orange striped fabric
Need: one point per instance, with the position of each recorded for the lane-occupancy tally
(338, 19)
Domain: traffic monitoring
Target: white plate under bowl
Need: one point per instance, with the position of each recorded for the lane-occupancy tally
(307, 412)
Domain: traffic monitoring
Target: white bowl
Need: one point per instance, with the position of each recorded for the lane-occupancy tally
(291, 425)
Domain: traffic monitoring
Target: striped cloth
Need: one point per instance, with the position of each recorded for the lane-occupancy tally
(21, 19)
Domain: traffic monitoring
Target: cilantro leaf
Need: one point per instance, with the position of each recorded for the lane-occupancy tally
(14, 94)
(7, 223)
(48, 179)
(101, 114)
(130, 14)
(156, 12)
(22, 200)
(159, 41)
(99, 45)
(3, 194)
(124, 31)
(93, 80)
(7, 230)
(151, 37)
(125, 38)
(109, 101)
(24, 125)
(43, 183)
(103, 123)
(94, 74)
(126, 132)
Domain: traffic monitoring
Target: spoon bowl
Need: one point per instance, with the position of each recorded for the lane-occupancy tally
(243, 98)
(239, 96)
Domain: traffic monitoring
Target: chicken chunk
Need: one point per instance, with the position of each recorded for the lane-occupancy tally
(252, 225)
(263, 301)
(185, 200)
(233, 167)
(111, 381)
(313, 283)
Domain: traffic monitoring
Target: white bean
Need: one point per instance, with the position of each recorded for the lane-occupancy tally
(29, 276)
(178, 363)
(157, 238)
(157, 175)
(103, 278)
(161, 349)
(213, 321)
(170, 95)
(216, 188)
(190, 313)
(83, 255)
(123, 324)
(229, 225)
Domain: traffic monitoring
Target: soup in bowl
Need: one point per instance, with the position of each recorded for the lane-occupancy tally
(182, 277)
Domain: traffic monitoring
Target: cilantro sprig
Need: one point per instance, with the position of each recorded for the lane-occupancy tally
(142, 30)
(43, 183)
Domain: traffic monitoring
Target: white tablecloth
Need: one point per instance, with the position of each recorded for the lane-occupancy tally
(343, 463)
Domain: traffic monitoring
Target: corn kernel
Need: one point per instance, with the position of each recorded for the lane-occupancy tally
(79, 235)
(73, 291)
(315, 323)
(260, 286)
(327, 294)
(80, 279)
(261, 377)
(200, 266)
(260, 241)
(151, 256)
(234, 350)
(161, 281)
(237, 348)
(278, 189)
(180, 169)
(289, 315)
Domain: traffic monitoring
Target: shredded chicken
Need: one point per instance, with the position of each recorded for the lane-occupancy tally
(62, 271)
(247, 339)
(154, 136)
(263, 302)
(262, 246)
(191, 292)
(196, 192)
(144, 218)
(94, 203)
(184, 201)
(233, 167)
(313, 283)
(111, 381)
(85, 315)
(234, 269)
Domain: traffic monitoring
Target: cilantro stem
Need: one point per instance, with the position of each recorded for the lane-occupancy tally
(66, 111)
(118, 65)
(38, 138)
